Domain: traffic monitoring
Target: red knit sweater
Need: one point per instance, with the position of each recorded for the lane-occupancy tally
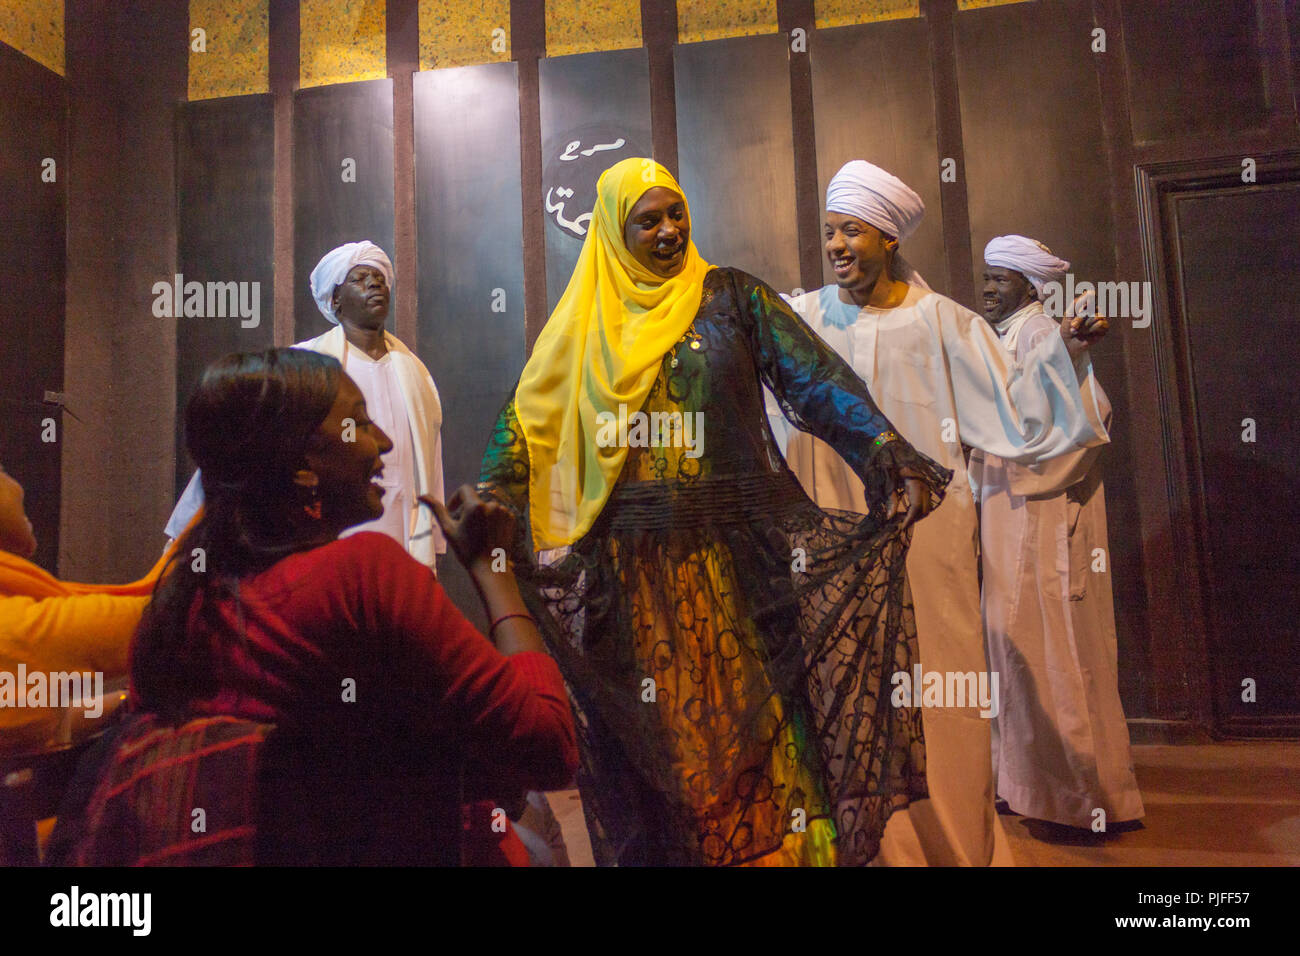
(355, 649)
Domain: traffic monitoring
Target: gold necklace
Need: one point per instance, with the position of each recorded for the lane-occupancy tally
(695, 344)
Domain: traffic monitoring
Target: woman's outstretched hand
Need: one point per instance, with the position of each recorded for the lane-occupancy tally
(475, 527)
(916, 496)
(480, 531)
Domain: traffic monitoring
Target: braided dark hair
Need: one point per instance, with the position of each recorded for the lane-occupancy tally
(248, 425)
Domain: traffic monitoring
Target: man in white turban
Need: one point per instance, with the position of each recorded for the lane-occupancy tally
(352, 286)
(940, 375)
(337, 265)
(1060, 742)
(1029, 257)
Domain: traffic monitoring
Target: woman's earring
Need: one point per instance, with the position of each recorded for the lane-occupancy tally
(313, 510)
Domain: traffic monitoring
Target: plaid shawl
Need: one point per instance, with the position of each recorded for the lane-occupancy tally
(145, 809)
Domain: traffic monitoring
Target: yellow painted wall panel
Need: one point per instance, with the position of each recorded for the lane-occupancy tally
(341, 41)
(456, 33)
(977, 4)
(843, 13)
(34, 28)
(586, 26)
(237, 43)
(714, 19)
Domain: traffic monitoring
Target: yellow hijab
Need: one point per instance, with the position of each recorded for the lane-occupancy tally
(601, 348)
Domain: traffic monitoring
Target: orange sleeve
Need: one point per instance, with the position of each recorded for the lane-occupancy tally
(90, 632)
(78, 632)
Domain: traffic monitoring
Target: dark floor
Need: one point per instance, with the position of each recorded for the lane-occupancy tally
(1226, 804)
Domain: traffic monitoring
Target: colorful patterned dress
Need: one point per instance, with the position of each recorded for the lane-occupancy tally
(728, 646)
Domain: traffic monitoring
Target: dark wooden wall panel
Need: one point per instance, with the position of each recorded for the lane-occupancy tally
(594, 99)
(403, 55)
(330, 124)
(1036, 165)
(469, 219)
(1293, 36)
(33, 126)
(283, 28)
(893, 127)
(736, 153)
(528, 47)
(224, 178)
(659, 34)
(126, 72)
(1033, 134)
(1239, 246)
(798, 15)
(1193, 68)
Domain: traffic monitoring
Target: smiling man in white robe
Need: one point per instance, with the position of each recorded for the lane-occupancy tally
(939, 374)
(1060, 743)
(352, 286)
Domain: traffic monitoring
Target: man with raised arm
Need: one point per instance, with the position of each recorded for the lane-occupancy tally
(1060, 743)
(938, 372)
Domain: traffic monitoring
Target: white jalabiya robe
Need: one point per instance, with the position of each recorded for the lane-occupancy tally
(386, 407)
(414, 465)
(939, 374)
(1060, 743)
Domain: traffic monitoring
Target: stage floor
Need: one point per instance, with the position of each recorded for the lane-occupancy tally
(1225, 804)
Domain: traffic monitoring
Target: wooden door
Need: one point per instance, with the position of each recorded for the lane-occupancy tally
(1230, 357)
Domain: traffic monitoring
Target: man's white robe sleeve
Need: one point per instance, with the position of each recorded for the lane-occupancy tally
(1027, 411)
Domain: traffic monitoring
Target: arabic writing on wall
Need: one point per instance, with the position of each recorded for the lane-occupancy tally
(571, 171)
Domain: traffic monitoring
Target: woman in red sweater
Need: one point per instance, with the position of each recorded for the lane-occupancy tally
(398, 727)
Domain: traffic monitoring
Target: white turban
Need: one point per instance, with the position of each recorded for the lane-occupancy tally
(869, 193)
(334, 267)
(1027, 256)
(879, 199)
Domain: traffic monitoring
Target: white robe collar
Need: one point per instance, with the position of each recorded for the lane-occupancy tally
(1009, 328)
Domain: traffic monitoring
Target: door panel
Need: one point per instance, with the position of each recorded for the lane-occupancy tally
(1235, 273)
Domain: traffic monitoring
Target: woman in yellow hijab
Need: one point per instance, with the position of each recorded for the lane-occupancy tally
(728, 645)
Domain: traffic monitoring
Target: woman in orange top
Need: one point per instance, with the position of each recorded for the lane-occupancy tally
(52, 626)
